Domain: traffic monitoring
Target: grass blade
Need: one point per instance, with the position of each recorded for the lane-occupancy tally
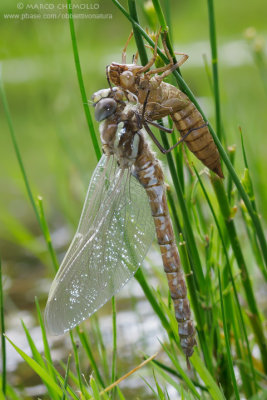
(81, 84)
(214, 63)
(77, 363)
(246, 282)
(87, 347)
(3, 339)
(66, 378)
(16, 148)
(46, 233)
(114, 355)
(44, 375)
(185, 88)
(229, 356)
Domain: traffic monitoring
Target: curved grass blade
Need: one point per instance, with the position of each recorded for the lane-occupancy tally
(81, 84)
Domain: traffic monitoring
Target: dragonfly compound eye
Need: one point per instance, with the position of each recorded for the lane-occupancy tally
(104, 109)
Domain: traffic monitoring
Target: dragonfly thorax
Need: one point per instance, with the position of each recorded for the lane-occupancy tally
(127, 145)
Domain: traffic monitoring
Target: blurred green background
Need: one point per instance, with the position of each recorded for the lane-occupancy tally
(42, 89)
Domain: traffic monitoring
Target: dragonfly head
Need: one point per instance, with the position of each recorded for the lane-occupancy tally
(105, 102)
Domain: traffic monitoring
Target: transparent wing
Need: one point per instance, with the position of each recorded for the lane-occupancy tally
(112, 239)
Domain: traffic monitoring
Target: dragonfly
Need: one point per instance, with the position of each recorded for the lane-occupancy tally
(124, 207)
(165, 99)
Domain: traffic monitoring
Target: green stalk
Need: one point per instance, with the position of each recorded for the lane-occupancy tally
(175, 373)
(138, 38)
(175, 217)
(198, 312)
(39, 216)
(232, 278)
(232, 153)
(46, 233)
(16, 148)
(189, 236)
(160, 15)
(3, 339)
(252, 304)
(81, 84)
(77, 362)
(139, 276)
(215, 73)
(66, 378)
(226, 335)
(184, 87)
(114, 355)
(87, 347)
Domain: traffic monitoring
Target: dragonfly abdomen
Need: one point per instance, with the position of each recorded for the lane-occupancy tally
(149, 173)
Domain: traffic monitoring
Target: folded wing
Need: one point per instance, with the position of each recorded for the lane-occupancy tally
(112, 239)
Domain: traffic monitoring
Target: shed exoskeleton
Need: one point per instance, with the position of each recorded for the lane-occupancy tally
(165, 99)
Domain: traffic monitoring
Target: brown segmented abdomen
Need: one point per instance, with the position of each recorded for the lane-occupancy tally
(149, 173)
(199, 141)
(169, 100)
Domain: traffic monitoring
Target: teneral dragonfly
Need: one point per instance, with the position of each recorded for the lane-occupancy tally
(126, 193)
(165, 99)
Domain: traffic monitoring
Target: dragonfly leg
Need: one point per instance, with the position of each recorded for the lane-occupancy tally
(153, 137)
(183, 138)
(161, 127)
(153, 58)
(144, 120)
(172, 67)
(161, 148)
(135, 58)
(107, 76)
(123, 56)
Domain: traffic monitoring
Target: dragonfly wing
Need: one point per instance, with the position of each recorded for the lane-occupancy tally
(113, 237)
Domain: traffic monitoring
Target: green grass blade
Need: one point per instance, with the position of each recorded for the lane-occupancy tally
(44, 337)
(207, 378)
(185, 88)
(95, 389)
(39, 370)
(256, 323)
(214, 61)
(138, 38)
(195, 301)
(181, 371)
(114, 355)
(70, 391)
(87, 347)
(160, 15)
(177, 224)
(81, 84)
(232, 280)
(66, 377)
(46, 233)
(39, 359)
(3, 339)
(139, 276)
(176, 374)
(16, 148)
(77, 363)
(228, 350)
(35, 353)
(102, 348)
